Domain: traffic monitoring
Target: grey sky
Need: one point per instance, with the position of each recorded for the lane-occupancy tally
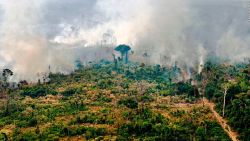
(183, 30)
(213, 14)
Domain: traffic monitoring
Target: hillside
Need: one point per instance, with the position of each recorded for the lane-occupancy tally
(127, 102)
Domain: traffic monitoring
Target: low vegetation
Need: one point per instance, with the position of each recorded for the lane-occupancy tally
(127, 102)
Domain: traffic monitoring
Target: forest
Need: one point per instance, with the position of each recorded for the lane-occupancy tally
(127, 101)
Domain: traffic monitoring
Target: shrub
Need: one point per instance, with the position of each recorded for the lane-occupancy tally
(129, 102)
(177, 113)
(146, 98)
(144, 124)
(37, 91)
(22, 124)
(58, 130)
(200, 133)
(94, 118)
(71, 91)
(53, 132)
(3, 137)
(103, 98)
(93, 133)
(27, 136)
(32, 122)
(165, 92)
(103, 84)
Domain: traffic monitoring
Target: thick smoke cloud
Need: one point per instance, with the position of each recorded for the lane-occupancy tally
(36, 34)
(183, 31)
(23, 46)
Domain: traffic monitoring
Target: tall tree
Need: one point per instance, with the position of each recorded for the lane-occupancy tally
(6, 75)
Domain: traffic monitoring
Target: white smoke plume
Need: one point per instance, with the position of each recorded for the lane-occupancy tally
(38, 33)
(23, 47)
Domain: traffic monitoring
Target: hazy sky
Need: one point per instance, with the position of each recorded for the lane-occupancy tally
(186, 31)
(55, 14)
(90, 13)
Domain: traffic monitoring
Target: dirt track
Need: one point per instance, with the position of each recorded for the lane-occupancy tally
(233, 135)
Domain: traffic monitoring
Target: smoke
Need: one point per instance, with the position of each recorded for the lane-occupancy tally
(233, 48)
(23, 46)
(182, 31)
(36, 34)
(202, 55)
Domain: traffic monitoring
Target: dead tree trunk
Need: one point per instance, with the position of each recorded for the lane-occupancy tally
(224, 102)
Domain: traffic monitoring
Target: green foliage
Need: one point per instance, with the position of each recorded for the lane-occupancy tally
(103, 98)
(32, 122)
(200, 133)
(103, 84)
(210, 90)
(3, 137)
(214, 132)
(71, 91)
(93, 118)
(143, 124)
(165, 92)
(37, 91)
(146, 98)
(59, 130)
(28, 122)
(177, 113)
(27, 136)
(237, 98)
(105, 90)
(129, 102)
(185, 88)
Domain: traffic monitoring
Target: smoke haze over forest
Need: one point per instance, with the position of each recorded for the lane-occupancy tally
(35, 34)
